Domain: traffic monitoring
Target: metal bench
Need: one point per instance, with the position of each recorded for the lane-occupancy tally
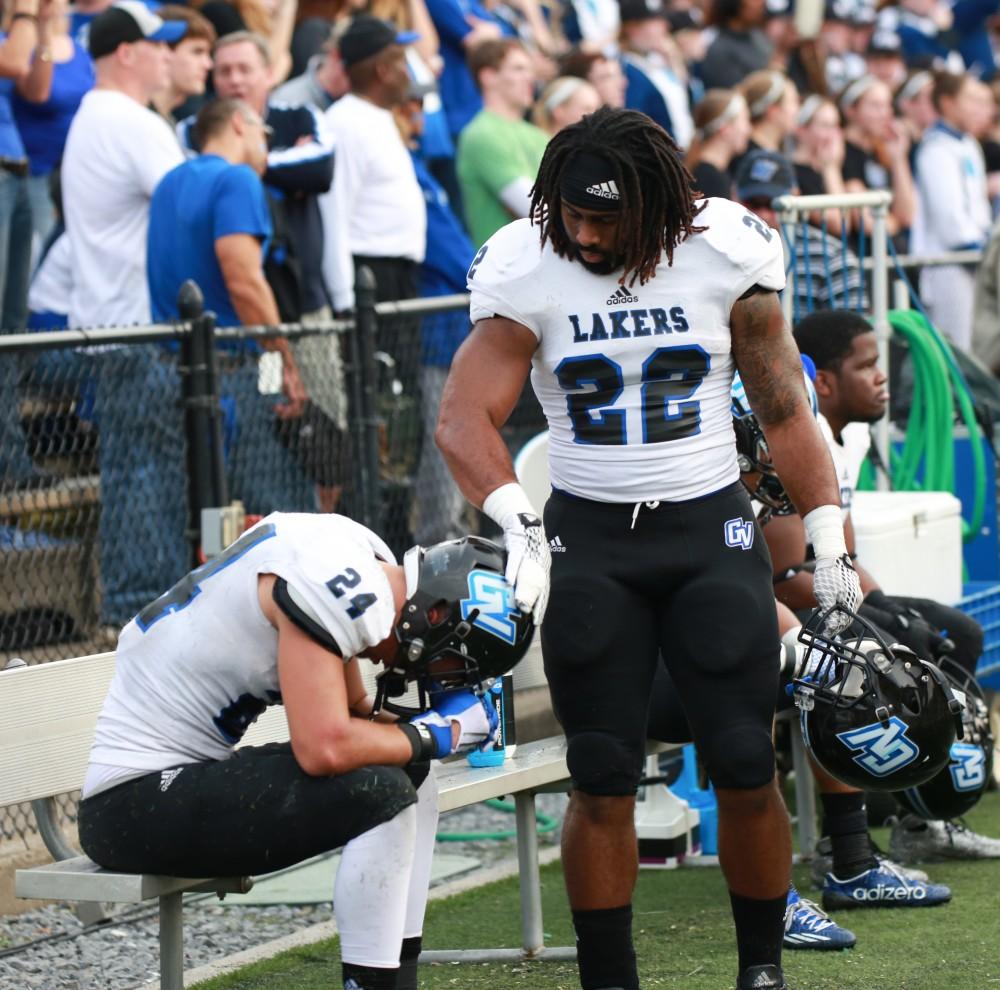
(47, 719)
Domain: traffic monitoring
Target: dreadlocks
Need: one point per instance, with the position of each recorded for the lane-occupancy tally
(657, 203)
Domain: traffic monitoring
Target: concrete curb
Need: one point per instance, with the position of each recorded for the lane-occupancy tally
(327, 929)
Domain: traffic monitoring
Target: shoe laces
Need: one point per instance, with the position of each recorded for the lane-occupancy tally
(810, 915)
(888, 866)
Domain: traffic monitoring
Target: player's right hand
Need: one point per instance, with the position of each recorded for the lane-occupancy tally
(528, 564)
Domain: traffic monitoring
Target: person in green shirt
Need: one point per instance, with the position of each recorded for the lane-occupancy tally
(499, 152)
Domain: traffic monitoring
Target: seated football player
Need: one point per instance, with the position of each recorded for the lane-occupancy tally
(852, 393)
(282, 616)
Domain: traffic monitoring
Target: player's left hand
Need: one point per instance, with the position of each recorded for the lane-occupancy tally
(528, 563)
(478, 721)
(836, 582)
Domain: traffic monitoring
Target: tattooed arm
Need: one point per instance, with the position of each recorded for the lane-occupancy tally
(771, 369)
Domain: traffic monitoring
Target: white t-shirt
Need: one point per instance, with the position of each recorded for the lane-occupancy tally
(375, 206)
(195, 668)
(634, 381)
(52, 283)
(848, 456)
(116, 153)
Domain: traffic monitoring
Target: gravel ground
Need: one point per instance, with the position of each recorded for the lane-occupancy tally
(122, 953)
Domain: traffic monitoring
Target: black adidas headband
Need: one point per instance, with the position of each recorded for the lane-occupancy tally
(588, 181)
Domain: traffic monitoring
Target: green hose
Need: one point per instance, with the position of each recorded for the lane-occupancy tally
(546, 824)
(927, 459)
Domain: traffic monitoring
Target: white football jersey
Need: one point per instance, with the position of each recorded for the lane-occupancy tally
(848, 456)
(634, 381)
(196, 667)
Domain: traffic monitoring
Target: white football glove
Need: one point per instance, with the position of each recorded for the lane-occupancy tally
(835, 581)
(528, 557)
(477, 719)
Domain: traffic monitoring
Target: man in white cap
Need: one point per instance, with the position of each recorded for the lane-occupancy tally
(116, 153)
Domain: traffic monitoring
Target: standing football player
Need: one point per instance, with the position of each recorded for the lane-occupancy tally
(280, 617)
(631, 304)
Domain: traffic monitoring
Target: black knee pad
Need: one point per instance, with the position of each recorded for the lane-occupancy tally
(739, 757)
(602, 765)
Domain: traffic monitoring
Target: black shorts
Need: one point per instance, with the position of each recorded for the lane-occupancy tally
(691, 581)
(254, 813)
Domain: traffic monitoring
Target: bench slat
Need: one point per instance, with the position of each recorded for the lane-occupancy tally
(49, 712)
(80, 879)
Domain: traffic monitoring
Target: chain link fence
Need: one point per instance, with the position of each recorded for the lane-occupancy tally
(111, 441)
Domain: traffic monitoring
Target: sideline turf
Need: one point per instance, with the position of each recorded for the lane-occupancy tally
(684, 937)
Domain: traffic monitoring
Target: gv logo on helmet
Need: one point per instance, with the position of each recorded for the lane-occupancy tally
(883, 748)
(490, 597)
(968, 767)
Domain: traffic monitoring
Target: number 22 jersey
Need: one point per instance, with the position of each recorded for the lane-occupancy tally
(634, 381)
(197, 666)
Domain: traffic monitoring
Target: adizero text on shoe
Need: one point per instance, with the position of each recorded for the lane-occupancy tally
(822, 864)
(809, 927)
(883, 886)
(762, 978)
(914, 840)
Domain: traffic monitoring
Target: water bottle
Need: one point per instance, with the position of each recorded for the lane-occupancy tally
(501, 695)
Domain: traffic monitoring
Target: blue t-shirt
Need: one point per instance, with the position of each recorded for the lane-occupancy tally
(459, 93)
(44, 126)
(11, 145)
(443, 271)
(193, 206)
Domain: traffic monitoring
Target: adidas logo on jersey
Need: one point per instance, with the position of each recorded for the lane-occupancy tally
(621, 296)
(604, 190)
(556, 545)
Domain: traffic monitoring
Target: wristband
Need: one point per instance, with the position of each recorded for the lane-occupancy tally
(825, 531)
(504, 504)
(421, 741)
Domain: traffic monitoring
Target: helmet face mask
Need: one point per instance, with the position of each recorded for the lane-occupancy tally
(459, 626)
(874, 716)
(957, 788)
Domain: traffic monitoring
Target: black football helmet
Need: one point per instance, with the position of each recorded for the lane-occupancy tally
(874, 716)
(752, 452)
(459, 618)
(957, 788)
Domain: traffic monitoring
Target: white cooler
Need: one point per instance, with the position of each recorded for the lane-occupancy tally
(911, 542)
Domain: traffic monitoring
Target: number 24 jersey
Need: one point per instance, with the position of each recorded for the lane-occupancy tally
(634, 381)
(197, 666)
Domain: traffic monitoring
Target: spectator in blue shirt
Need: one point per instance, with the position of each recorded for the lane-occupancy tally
(29, 25)
(461, 26)
(439, 506)
(209, 221)
(44, 125)
(25, 61)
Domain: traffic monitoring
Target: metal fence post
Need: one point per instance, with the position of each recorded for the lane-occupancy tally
(366, 329)
(205, 462)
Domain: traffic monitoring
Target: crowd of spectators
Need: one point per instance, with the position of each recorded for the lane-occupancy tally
(402, 133)
(881, 96)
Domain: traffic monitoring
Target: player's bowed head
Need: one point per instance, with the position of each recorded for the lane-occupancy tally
(458, 626)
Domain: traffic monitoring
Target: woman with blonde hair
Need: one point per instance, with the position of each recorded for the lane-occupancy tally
(722, 132)
(564, 101)
(876, 150)
(773, 102)
(819, 156)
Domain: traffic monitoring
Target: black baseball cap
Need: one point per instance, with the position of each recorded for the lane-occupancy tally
(764, 175)
(641, 10)
(366, 36)
(126, 22)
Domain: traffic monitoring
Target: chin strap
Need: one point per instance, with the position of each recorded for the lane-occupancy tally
(954, 705)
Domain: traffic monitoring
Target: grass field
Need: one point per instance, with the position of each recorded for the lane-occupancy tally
(684, 937)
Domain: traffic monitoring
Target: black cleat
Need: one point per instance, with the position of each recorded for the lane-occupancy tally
(762, 978)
